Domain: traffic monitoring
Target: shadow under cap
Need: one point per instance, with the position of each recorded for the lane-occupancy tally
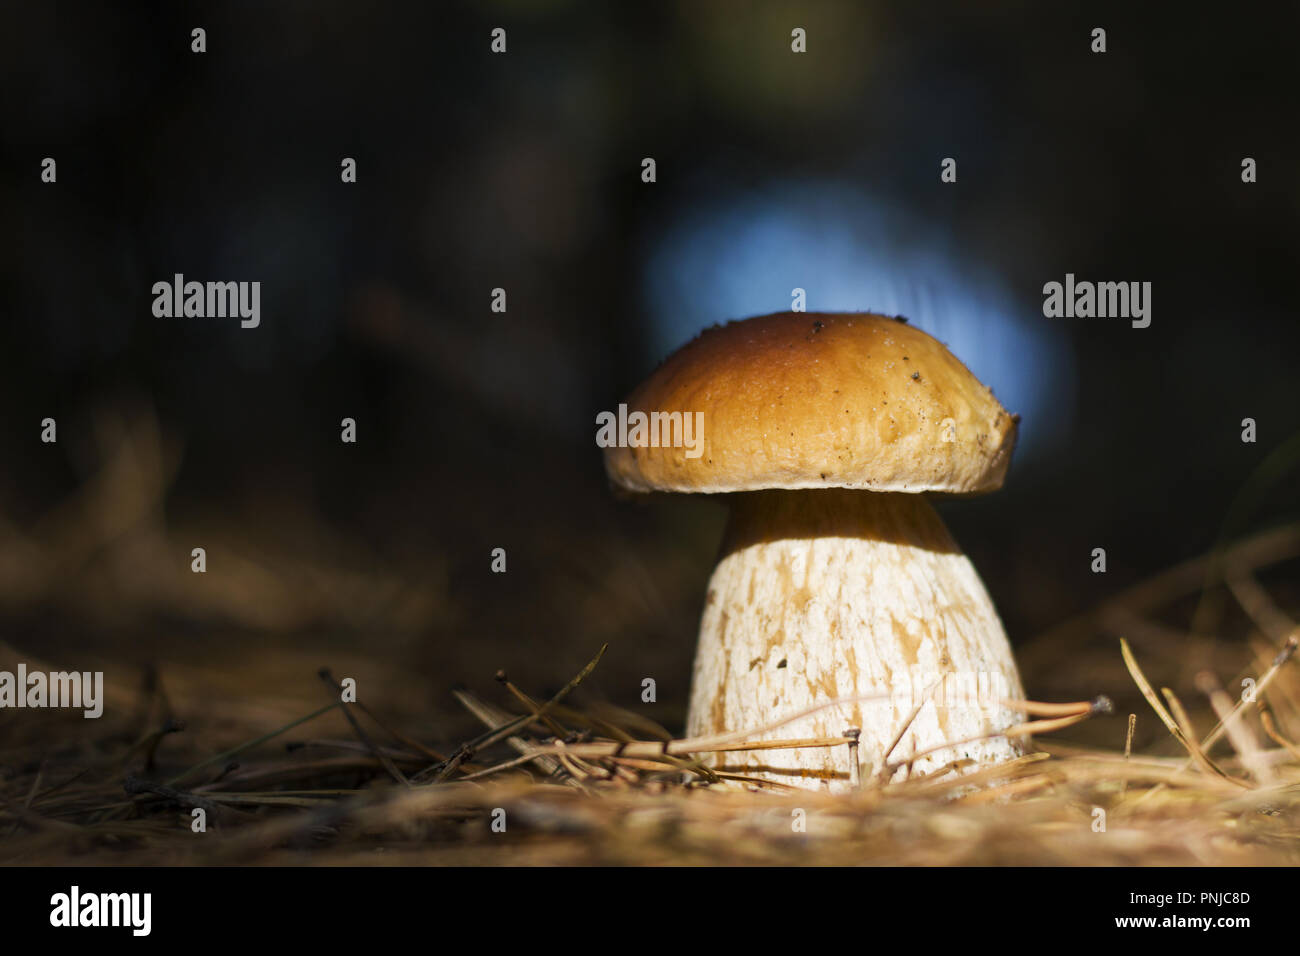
(761, 517)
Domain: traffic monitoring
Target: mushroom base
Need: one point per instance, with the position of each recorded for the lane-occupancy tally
(839, 594)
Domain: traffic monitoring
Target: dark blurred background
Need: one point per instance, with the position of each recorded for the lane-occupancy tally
(775, 170)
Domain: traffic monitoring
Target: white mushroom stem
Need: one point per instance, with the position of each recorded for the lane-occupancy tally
(832, 594)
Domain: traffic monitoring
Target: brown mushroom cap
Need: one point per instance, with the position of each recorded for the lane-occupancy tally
(809, 400)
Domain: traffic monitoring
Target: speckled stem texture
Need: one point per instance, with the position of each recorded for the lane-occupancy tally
(833, 594)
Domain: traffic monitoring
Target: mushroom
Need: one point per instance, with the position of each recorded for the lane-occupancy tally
(837, 580)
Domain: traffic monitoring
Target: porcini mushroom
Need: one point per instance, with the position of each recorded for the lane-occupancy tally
(837, 579)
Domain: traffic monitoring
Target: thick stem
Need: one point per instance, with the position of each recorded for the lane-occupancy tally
(835, 594)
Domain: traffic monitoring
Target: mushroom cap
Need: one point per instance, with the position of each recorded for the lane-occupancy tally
(820, 400)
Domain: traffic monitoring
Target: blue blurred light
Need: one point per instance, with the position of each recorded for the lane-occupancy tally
(741, 255)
